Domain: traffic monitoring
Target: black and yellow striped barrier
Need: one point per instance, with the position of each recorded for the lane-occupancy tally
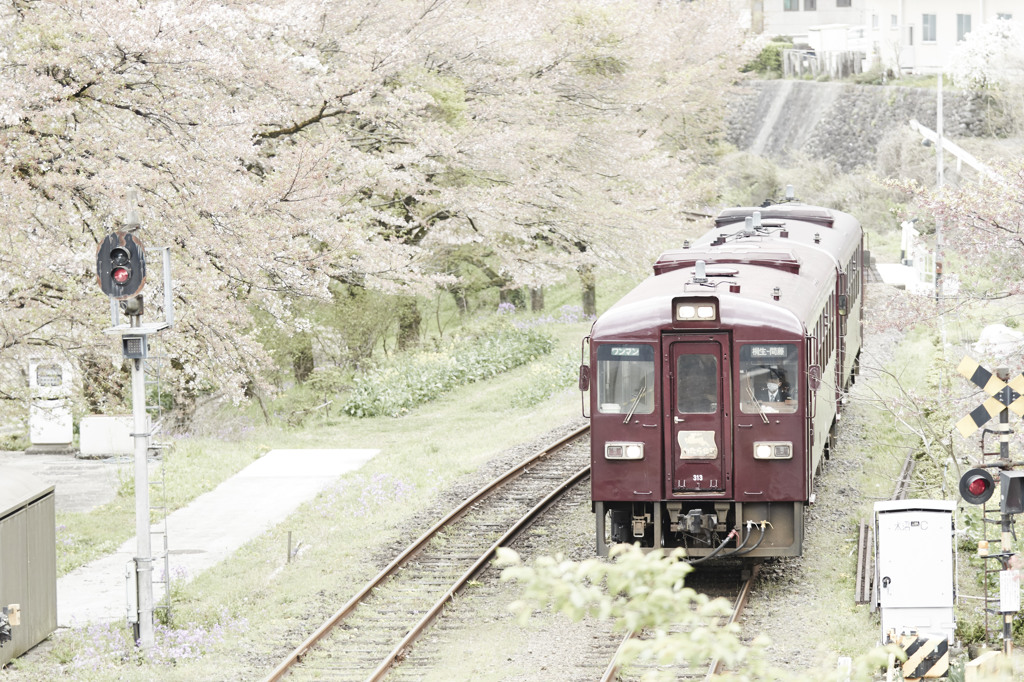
(925, 657)
(1004, 394)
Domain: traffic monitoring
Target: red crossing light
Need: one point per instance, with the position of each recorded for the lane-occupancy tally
(977, 486)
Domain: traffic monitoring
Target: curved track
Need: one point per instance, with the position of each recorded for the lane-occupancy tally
(372, 631)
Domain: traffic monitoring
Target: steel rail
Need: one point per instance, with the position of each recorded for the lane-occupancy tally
(902, 488)
(527, 519)
(741, 603)
(865, 578)
(611, 673)
(410, 551)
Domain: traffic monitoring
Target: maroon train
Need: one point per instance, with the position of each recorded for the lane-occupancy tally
(716, 385)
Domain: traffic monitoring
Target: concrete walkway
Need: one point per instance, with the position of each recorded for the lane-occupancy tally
(209, 529)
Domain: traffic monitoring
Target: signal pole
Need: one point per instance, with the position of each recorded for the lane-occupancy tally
(144, 557)
(121, 272)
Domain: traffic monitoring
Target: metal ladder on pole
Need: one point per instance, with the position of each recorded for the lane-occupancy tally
(992, 526)
(158, 487)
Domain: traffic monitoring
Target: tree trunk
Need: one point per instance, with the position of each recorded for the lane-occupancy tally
(589, 285)
(302, 360)
(460, 297)
(409, 319)
(513, 296)
(537, 299)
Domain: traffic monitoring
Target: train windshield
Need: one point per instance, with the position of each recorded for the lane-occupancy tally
(697, 384)
(768, 378)
(625, 379)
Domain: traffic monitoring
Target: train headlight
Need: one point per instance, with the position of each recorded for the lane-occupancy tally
(624, 451)
(695, 311)
(773, 450)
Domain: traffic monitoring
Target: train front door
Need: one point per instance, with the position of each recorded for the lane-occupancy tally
(699, 403)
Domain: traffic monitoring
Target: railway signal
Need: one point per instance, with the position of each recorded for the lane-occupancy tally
(977, 486)
(121, 265)
(1004, 394)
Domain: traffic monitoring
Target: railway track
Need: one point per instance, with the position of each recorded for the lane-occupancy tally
(866, 539)
(731, 584)
(375, 629)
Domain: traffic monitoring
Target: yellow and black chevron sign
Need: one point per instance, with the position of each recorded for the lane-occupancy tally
(1005, 394)
(925, 657)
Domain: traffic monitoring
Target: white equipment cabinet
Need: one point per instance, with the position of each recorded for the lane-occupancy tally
(914, 567)
(49, 418)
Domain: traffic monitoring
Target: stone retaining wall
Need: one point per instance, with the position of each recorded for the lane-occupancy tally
(844, 122)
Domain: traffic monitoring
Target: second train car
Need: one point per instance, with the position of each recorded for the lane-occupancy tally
(716, 385)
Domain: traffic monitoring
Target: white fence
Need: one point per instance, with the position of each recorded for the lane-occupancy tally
(836, 65)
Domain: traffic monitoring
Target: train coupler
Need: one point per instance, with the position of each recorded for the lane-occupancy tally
(640, 525)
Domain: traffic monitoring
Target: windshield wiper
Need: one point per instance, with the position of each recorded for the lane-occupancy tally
(636, 401)
(760, 411)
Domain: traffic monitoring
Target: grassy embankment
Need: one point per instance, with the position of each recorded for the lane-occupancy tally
(256, 602)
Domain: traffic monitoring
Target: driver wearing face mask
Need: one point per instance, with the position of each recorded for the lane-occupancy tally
(774, 391)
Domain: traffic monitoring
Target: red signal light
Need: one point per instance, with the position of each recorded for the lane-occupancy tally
(976, 486)
(121, 265)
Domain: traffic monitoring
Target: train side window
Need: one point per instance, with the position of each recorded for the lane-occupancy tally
(768, 373)
(697, 384)
(625, 379)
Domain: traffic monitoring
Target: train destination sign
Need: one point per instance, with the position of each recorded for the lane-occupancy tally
(779, 351)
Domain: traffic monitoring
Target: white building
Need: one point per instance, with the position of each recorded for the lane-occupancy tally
(906, 36)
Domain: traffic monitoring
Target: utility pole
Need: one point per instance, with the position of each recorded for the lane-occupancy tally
(939, 181)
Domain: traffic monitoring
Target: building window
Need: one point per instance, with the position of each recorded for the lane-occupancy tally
(894, 22)
(963, 26)
(843, 3)
(874, 22)
(1004, 17)
(790, 5)
(927, 28)
(810, 5)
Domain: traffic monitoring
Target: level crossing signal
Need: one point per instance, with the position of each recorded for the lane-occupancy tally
(1003, 395)
(121, 265)
(977, 486)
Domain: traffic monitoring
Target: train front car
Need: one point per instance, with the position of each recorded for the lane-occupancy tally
(709, 415)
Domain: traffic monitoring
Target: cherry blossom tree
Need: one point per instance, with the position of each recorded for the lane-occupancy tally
(278, 147)
(992, 56)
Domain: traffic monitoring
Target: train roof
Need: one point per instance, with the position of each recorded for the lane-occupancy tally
(823, 217)
(793, 250)
(744, 284)
(834, 233)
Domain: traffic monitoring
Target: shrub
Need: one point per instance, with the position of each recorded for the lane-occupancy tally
(395, 388)
(769, 60)
(547, 379)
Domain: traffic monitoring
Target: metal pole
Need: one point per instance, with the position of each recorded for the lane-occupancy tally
(1006, 525)
(939, 181)
(143, 560)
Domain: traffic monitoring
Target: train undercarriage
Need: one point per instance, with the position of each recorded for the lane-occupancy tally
(705, 529)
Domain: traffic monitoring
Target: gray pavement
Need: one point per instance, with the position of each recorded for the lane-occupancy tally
(198, 536)
(81, 484)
